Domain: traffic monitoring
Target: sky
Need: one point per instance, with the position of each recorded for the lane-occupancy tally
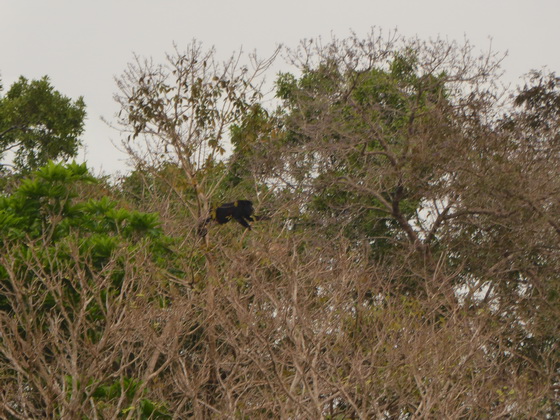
(83, 45)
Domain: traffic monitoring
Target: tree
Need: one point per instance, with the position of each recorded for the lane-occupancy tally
(180, 113)
(38, 123)
(402, 147)
(409, 269)
(71, 275)
(375, 128)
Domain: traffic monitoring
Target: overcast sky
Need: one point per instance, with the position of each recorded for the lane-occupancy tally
(83, 45)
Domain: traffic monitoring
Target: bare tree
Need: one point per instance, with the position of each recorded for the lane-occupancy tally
(180, 113)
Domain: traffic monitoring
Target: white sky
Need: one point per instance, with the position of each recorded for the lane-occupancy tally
(83, 45)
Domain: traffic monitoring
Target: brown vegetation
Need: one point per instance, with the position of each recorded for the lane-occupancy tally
(409, 268)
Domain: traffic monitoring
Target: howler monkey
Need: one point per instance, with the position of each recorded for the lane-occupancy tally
(241, 211)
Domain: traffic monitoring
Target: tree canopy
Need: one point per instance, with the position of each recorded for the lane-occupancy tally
(407, 267)
(38, 124)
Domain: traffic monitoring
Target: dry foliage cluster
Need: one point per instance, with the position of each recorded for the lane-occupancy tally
(409, 269)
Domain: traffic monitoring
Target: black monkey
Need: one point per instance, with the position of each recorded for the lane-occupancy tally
(241, 211)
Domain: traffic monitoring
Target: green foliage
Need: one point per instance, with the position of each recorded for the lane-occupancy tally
(126, 386)
(45, 222)
(254, 137)
(360, 121)
(144, 408)
(38, 123)
(127, 389)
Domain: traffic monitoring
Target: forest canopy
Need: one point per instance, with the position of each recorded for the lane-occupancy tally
(406, 264)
